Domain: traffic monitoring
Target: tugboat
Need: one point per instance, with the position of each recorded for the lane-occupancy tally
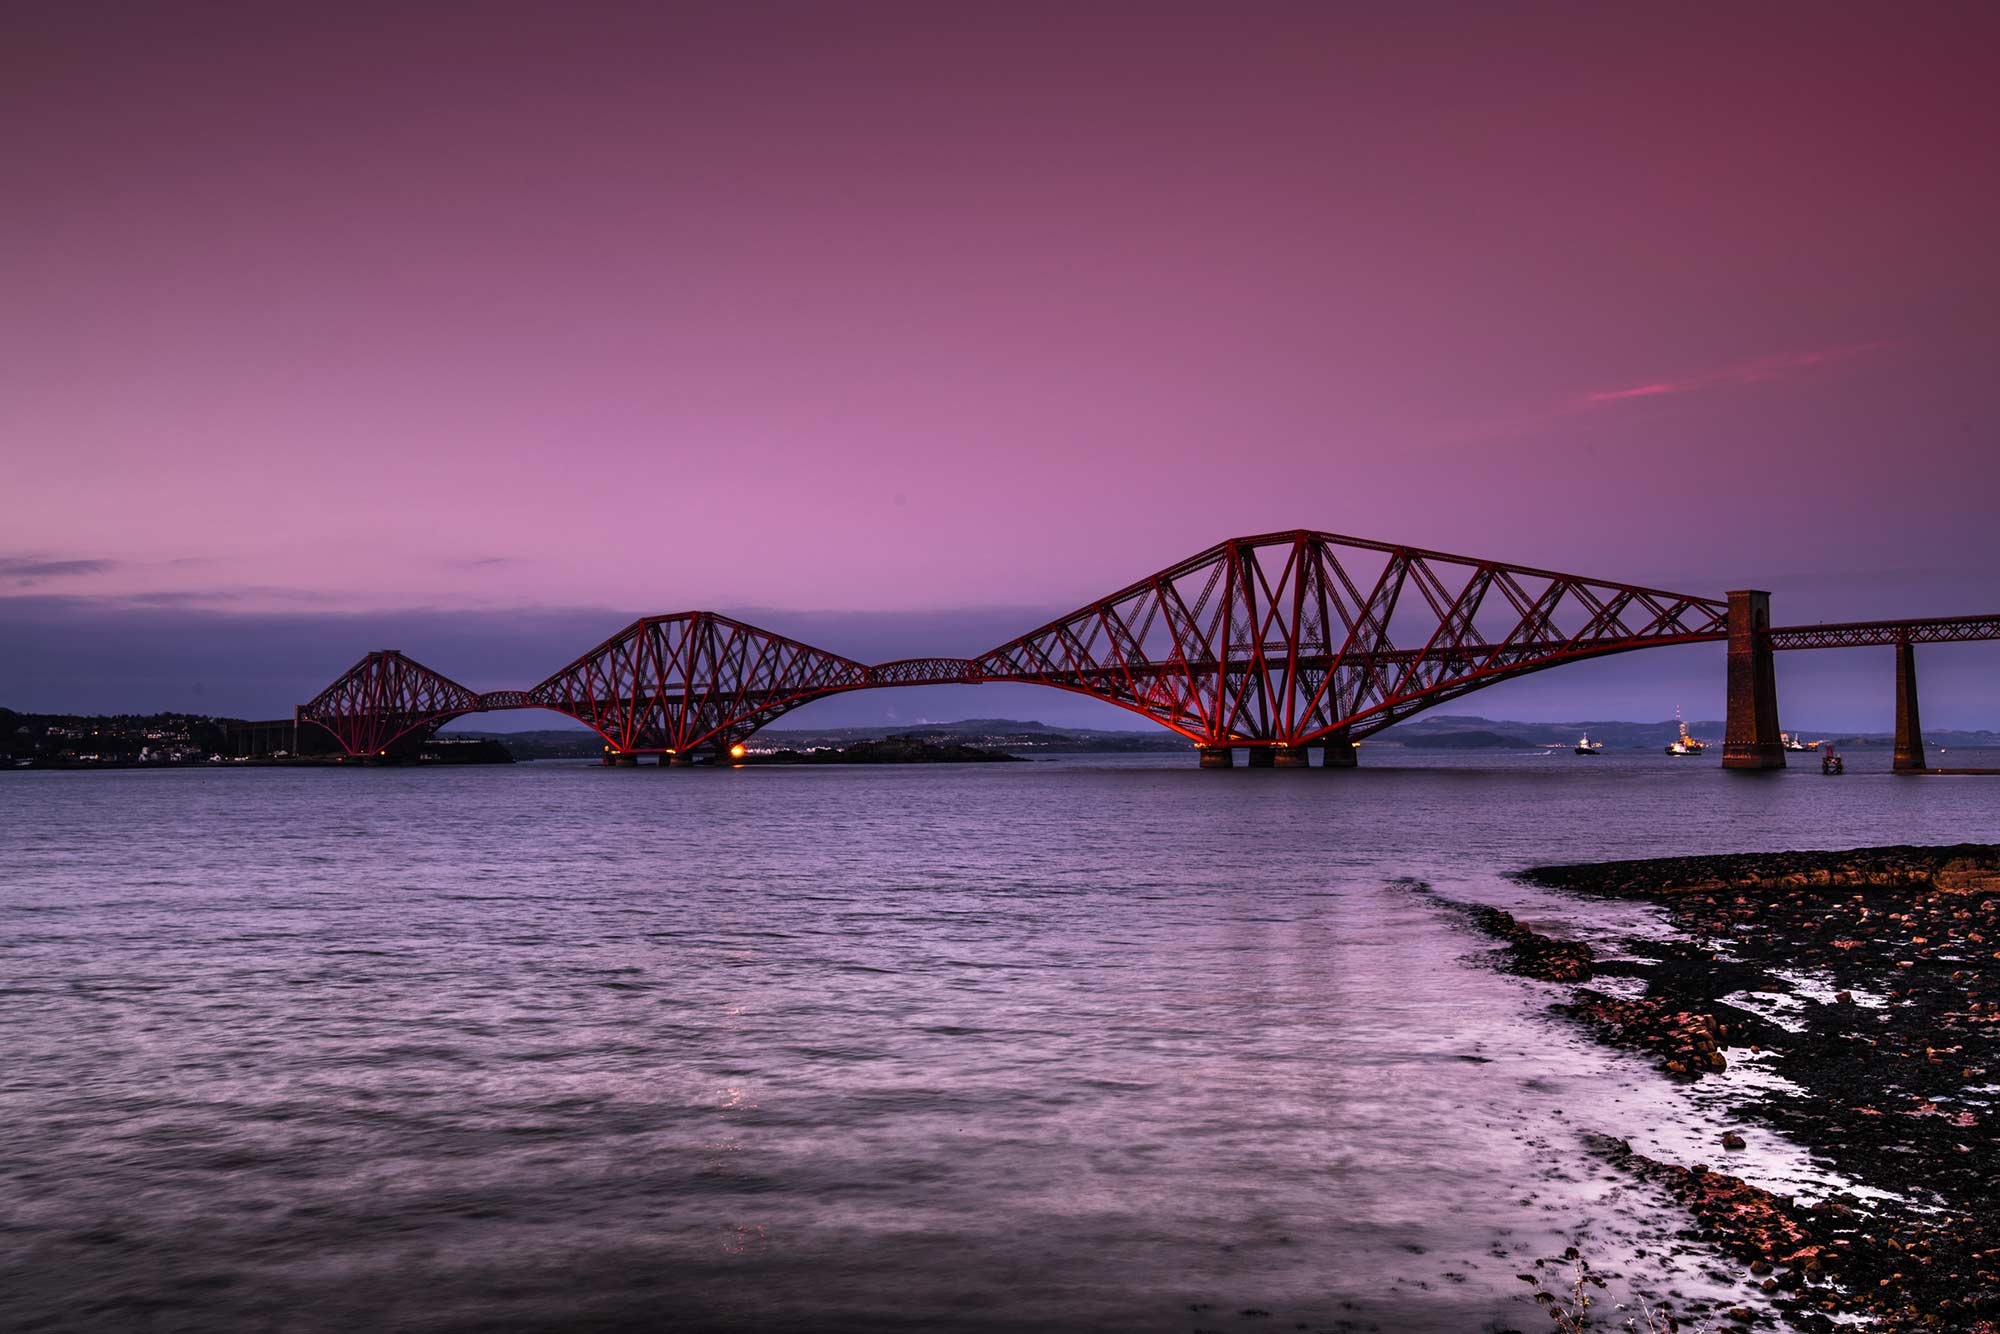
(1587, 746)
(1685, 745)
(1830, 763)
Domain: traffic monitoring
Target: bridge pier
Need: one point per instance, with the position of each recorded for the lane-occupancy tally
(1340, 752)
(624, 759)
(1909, 725)
(1291, 757)
(1261, 757)
(674, 759)
(1750, 738)
(1216, 757)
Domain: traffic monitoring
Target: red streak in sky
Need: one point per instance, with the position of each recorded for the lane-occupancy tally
(1748, 372)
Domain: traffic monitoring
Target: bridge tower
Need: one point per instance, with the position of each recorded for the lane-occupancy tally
(1750, 739)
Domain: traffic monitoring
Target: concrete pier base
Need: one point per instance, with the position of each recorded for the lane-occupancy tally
(1261, 757)
(679, 761)
(1291, 757)
(1909, 725)
(1340, 753)
(1216, 757)
(1750, 739)
(625, 759)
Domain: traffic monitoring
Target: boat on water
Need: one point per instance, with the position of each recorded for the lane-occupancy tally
(1587, 746)
(1793, 741)
(1685, 744)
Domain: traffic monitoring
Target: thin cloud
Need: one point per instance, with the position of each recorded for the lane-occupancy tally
(205, 599)
(25, 569)
(1756, 371)
(1748, 372)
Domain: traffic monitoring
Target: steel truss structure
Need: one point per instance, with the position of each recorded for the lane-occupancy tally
(1291, 638)
(670, 684)
(1862, 634)
(385, 699)
(1278, 640)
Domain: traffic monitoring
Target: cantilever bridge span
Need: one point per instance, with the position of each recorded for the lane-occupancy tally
(1270, 644)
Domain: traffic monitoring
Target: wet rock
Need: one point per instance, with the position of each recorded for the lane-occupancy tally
(1531, 953)
(1892, 1094)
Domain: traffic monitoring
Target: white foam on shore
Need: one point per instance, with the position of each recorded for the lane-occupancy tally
(1775, 1006)
(1816, 986)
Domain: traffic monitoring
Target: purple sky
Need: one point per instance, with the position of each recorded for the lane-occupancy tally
(340, 315)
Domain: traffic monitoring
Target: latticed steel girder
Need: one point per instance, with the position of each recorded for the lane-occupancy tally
(1294, 637)
(1279, 639)
(925, 672)
(1861, 634)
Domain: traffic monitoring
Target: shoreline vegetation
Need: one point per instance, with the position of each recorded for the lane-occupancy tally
(1868, 981)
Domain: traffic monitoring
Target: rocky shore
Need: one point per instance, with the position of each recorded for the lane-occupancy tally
(1869, 980)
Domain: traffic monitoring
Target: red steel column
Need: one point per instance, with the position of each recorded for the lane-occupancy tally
(1909, 726)
(1750, 741)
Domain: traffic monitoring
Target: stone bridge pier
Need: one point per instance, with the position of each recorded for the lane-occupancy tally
(1750, 739)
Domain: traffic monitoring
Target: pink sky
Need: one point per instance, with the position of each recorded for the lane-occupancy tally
(906, 307)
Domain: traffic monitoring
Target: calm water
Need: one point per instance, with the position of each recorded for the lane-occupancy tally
(1083, 1044)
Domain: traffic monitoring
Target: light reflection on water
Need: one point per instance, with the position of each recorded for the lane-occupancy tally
(1089, 1043)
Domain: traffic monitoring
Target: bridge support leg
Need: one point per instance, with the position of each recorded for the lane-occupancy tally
(625, 759)
(1216, 757)
(1292, 757)
(677, 760)
(1261, 757)
(1750, 739)
(1340, 752)
(1909, 726)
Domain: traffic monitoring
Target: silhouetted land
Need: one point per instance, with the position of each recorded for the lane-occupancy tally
(1869, 980)
(888, 750)
(119, 740)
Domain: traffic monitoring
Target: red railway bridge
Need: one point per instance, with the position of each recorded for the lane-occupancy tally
(1273, 645)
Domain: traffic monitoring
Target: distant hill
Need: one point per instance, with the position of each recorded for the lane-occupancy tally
(1425, 732)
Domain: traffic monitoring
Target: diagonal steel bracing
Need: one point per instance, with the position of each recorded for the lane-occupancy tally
(1280, 639)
